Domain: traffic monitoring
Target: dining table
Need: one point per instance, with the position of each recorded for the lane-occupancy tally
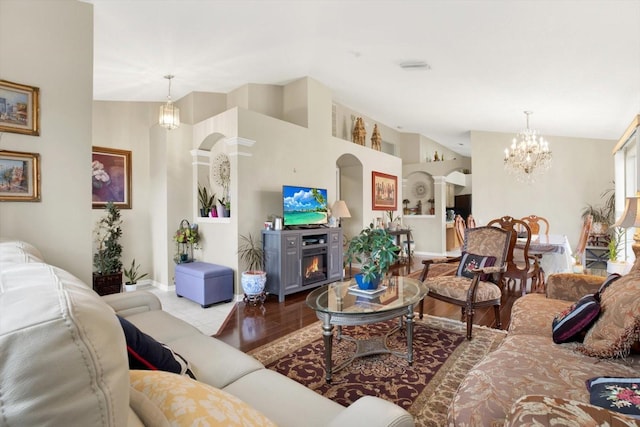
(554, 249)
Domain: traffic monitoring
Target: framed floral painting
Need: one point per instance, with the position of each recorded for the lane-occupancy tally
(110, 177)
(19, 176)
(384, 191)
(19, 108)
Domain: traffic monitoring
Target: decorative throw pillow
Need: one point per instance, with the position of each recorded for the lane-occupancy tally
(616, 394)
(185, 402)
(608, 281)
(618, 326)
(571, 322)
(470, 262)
(146, 353)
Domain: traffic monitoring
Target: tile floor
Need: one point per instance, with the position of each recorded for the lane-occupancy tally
(208, 320)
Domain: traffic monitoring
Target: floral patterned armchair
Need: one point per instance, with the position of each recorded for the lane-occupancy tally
(477, 279)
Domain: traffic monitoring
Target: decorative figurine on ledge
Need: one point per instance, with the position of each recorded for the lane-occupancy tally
(359, 132)
(376, 139)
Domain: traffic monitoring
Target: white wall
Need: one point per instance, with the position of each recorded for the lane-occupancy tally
(49, 44)
(581, 170)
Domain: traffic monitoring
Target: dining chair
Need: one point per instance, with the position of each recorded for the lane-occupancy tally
(584, 238)
(471, 222)
(476, 282)
(535, 224)
(460, 227)
(521, 266)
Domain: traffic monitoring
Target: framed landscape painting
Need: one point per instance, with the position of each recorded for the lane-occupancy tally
(384, 189)
(19, 176)
(110, 178)
(19, 108)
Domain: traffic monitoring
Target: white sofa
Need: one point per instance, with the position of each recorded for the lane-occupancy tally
(63, 358)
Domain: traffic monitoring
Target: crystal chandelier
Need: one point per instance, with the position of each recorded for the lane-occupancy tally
(528, 156)
(169, 113)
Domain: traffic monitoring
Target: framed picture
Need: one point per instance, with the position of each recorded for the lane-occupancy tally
(110, 178)
(19, 108)
(384, 191)
(19, 176)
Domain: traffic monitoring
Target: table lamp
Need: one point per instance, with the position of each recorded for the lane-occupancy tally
(631, 218)
(340, 210)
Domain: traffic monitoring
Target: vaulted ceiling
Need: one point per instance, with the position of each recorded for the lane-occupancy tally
(575, 64)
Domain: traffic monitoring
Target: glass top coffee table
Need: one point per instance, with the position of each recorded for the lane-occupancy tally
(344, 304)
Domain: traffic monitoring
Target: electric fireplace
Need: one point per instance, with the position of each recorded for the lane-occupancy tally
(314, 265)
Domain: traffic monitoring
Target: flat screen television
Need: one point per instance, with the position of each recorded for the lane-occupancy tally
(304, 206)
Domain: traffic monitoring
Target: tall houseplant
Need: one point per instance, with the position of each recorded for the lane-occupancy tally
(375, 249)
(604, 214)
(107, 264)
(254, 278)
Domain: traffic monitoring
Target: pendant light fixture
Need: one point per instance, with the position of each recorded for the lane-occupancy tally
(529, 155)
(169, 113)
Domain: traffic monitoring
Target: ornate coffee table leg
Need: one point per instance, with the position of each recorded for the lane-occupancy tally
(410, 334)
(327, 335)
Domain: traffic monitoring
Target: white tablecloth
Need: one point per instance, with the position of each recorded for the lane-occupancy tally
(556, 253)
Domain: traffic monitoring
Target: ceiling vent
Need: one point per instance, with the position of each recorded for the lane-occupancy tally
(415, 65)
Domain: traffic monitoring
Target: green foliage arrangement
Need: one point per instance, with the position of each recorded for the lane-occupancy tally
(107, 258)
(207, 201)
(616, 242)
(132, 274)
(604, 213)
(375, 249)
(251, 253)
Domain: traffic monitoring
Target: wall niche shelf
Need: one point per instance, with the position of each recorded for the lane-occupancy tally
(214, 220)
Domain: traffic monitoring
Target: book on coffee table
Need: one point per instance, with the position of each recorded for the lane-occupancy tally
(355, 290)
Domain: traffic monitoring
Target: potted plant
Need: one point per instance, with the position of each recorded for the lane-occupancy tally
(406, 202)
(207, 201)
(107, 264)
(254, 277)
(132, 276)
(224, 208)
(375, 249)
(187, 238)
(603, 215)
(616, 244)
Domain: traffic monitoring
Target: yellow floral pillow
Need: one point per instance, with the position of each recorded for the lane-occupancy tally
(187, 402)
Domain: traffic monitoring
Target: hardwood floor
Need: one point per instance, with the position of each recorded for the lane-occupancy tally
(249, 327)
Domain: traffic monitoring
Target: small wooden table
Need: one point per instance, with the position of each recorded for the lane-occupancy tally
(340, 304)
(399, 234)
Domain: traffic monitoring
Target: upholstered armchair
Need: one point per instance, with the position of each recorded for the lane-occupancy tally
(477, 279)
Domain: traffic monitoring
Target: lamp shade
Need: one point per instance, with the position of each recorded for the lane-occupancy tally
(630, 217)
(340, 210)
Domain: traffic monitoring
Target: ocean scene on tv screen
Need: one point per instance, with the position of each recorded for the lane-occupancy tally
(304, 206)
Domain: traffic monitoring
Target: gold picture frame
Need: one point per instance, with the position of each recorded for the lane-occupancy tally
(19, 176)
(19, 108)
(110, 178)
(384, 191)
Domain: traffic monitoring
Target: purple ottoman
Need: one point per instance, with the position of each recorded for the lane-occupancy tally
(204, 283)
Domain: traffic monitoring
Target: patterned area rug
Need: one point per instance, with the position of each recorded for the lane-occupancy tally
(442, 357)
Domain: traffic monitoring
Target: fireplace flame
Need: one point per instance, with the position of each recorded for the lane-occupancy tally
(312, 268)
